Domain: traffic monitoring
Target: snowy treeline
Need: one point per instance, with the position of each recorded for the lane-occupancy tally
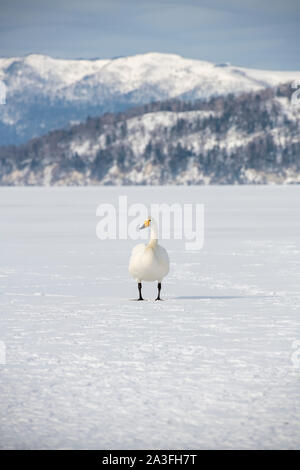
(250, 138)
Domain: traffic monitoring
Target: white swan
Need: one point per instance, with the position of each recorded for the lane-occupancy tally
(149, 262)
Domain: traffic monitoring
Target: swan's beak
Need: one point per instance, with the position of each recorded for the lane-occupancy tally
(145, 224)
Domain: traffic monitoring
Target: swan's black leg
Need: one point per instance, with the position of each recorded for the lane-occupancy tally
(140, 291)
(158, 289)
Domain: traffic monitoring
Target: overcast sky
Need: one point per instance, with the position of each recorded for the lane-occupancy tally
(251, 33)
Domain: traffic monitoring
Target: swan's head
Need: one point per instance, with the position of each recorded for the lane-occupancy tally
(146, 224)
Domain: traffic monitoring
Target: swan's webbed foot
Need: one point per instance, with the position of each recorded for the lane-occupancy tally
(140, 291)
(158, 293)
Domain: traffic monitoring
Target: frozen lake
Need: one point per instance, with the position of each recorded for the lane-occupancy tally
(216, 365)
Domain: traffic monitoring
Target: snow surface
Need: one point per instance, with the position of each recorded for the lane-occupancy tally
(213, 366)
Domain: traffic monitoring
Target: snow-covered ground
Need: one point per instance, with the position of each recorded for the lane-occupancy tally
(216, 365)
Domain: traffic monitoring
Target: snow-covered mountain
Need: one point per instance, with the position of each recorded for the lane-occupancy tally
(44, 93)
(250, 138)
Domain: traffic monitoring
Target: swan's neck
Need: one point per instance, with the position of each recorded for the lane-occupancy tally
(153, 236)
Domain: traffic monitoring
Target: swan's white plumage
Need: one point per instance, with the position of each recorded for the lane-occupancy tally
(149, 262)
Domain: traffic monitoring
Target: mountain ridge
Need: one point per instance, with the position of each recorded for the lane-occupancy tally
(44, 93)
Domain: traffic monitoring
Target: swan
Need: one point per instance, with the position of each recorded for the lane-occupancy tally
(149, 262)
